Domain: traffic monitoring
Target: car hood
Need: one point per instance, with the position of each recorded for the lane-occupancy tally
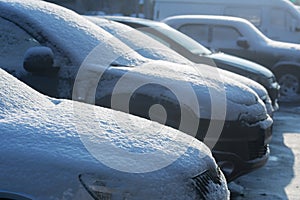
(243, 64)
(287, 51)
(205, 81)
(284, 45)
(255, 86)
(49, 143)
(233, 77)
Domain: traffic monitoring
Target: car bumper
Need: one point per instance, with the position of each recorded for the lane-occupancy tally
(233, 166)
(241, 148)
(274, 93)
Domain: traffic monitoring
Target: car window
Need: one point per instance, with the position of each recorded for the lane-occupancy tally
(225, 35)
(199, 32)
(14, 43)
(251, 14)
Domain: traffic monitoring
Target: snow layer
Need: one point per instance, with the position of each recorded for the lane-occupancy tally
(255, 86)
(43, 149)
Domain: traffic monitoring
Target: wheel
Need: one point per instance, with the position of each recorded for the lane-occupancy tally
(289, 83)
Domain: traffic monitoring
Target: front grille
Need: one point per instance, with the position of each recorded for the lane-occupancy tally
(257, 151)
(202, 180)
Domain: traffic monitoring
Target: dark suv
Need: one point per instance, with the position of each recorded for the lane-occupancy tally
(239, 37)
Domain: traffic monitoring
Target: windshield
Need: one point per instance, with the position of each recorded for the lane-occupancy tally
(70, 33)
(141, 43)
(182, 40)
(255, 32)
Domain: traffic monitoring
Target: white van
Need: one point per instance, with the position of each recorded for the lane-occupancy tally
(277, 19)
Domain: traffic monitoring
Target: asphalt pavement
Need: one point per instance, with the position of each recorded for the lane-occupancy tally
(280, 177)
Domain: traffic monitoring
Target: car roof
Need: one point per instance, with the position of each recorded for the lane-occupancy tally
(141, 21)
(205, 18)
(64, 29)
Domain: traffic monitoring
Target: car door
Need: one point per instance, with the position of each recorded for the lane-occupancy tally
(229, 40)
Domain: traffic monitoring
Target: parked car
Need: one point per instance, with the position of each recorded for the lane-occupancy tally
(195, 52)
(67, 56)
(239, 37)
(277, 19)
(47, 153)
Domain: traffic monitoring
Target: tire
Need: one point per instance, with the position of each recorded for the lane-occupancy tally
(289, 81)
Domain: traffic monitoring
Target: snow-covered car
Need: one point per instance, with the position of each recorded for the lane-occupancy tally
(239, 37)
(192, 50)
(65, 55)
(48, 152)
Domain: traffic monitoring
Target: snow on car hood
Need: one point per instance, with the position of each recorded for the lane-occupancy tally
(40, 138)
(239, 97)
(255, 86)
(284, 45)
(286, 51)
(242, 63)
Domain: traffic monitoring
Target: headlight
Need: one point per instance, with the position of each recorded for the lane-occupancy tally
(95, 187)
(267, 82)
(202, 181)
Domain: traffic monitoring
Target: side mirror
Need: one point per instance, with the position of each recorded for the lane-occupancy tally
(294, 26)
(242, 42)
(39, 60)
(297, 29)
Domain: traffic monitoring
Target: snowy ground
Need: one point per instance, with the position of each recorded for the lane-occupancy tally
(280, 177)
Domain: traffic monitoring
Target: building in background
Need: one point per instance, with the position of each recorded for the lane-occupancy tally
(141, 8)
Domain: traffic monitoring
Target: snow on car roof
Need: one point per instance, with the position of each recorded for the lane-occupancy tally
(68, 31)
